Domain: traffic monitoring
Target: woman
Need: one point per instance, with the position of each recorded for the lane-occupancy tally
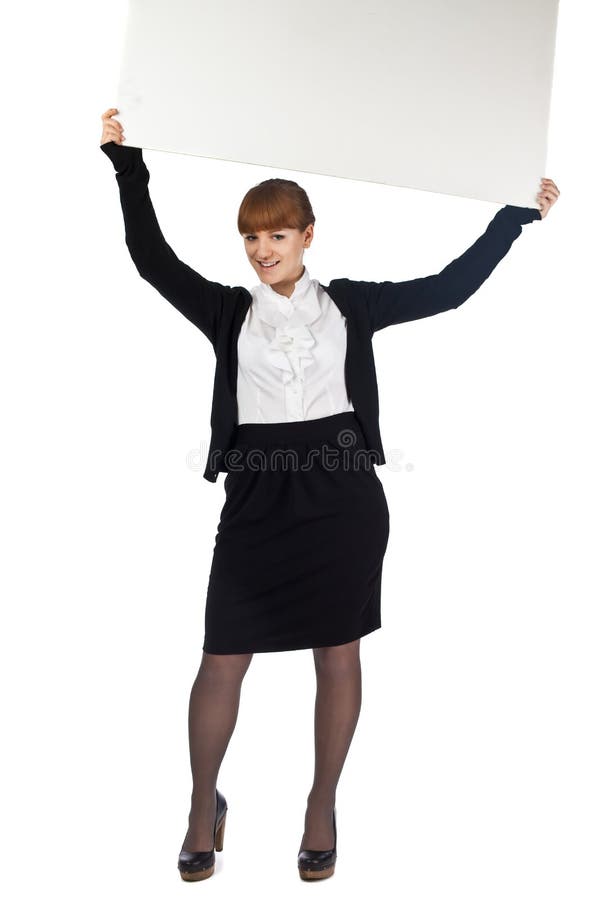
(303, 531)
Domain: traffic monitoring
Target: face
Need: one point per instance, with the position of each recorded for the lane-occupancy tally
(284, 247)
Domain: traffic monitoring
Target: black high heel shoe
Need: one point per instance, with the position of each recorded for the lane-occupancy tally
(318, 863)
(196, 865)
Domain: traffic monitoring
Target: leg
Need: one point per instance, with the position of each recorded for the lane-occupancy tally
(337, 707)
(214, 704)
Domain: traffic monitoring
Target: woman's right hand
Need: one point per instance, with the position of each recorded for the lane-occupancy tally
(111, 129)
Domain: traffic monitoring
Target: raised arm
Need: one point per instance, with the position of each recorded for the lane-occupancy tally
(393, 302)
(198, 299)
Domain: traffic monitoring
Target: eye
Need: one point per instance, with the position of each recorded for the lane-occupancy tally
(251, 237)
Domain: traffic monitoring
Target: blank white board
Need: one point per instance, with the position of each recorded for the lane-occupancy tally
(451, 96)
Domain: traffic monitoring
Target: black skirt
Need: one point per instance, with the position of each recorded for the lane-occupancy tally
(298, 553)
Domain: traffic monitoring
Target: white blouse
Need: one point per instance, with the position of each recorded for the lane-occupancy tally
(291, 353)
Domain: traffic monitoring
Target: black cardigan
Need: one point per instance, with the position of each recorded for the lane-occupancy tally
(368, 306)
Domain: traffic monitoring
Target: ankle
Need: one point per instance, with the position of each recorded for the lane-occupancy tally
(203, 801)
(320, 800)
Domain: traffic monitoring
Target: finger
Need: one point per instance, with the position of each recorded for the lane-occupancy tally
(112, 122)
(547, 182)
(106, 118)
(113, 135)
(112, 131)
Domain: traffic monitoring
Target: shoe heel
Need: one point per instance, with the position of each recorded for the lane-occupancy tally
(196, 865)
(220, 834)
(318, 864)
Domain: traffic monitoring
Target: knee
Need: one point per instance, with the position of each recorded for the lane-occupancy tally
(224, 666)
(338, 660)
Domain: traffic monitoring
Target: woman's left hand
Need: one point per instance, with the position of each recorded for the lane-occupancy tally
(547, 196)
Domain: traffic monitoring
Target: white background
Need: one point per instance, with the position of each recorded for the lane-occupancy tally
(473, 772)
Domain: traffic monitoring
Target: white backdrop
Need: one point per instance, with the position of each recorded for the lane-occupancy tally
(479, 731)
(451, 96)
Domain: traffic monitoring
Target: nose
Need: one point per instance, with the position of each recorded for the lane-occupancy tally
(263, 251)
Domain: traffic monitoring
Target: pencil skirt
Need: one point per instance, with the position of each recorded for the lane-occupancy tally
(298, 553)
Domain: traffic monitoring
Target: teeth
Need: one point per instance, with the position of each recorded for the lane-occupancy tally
(268, 265)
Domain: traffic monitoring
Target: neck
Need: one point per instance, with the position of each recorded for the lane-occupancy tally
(286, 289)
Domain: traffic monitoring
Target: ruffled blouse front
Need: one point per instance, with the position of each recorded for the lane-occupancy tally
(291, 353)
(290, 350)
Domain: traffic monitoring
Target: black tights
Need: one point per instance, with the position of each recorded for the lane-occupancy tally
(213, 710)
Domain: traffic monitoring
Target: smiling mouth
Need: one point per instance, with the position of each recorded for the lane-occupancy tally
(269, 266)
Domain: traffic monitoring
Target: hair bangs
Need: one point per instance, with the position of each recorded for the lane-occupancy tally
(272, 204)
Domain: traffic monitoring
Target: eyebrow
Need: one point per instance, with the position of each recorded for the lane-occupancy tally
(270, 230)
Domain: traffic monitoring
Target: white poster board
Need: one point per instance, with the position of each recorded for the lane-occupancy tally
(451, 96)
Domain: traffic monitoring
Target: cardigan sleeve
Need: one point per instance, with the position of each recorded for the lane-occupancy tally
(197, 298)
(390, 303)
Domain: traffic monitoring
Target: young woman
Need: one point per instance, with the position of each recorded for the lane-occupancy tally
(303, 531)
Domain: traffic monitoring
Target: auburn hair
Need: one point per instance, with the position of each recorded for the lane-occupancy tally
(275, 203)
